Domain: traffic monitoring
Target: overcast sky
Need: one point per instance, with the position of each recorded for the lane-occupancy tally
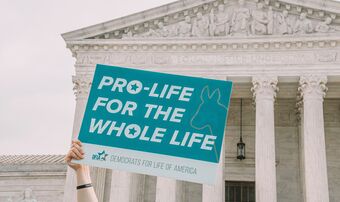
(36, 98)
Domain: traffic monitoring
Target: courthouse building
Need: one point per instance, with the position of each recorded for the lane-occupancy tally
(283, 57)
(32, 178)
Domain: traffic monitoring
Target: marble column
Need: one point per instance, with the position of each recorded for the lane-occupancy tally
(299, 118)
(166, 190)
(82, 84)
(264, 92)
(216, 193)
(127, 187)
(98, 176)
(313, 155)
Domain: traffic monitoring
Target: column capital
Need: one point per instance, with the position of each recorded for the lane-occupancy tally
(298, 107)
(313, 87)
(82, 85)
(264, 87)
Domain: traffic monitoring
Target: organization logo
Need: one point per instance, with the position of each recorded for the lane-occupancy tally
(100, 156)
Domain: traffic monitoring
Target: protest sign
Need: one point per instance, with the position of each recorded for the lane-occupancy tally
(154, 123)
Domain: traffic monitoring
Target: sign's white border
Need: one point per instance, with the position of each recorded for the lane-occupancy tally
(205, 171)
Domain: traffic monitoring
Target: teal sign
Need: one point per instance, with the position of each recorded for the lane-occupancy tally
(155, 115)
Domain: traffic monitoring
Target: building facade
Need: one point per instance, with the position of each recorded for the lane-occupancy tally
(33, 178)
(284, 59)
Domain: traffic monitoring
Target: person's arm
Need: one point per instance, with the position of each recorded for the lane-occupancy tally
(85, 191)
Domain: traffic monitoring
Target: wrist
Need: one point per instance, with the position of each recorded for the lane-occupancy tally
(83, 169)
(83, 175)
(84, 186)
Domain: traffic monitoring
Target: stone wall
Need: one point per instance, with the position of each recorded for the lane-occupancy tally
(46, 182)
(287, 151)
(332, 132)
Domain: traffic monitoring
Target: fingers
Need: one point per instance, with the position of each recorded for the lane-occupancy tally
(79, 148)
(77, 142)
(77, 155)
(72, 155)
(76, 151)
(67, 158)
(76, 148)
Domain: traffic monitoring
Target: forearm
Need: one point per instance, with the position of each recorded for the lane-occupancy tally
(85, 194)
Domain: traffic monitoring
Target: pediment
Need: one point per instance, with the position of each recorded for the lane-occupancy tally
(216, 18)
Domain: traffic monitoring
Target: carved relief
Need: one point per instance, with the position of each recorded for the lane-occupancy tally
(270, 17)
(313, 87)
(184, 27)
(326, 57)
(303, 25)
(200, 26)
(260, 21)
(298, 108)
(239, 20)
(325, 26)
(82, 86)
(162, 31)
(264, 87)
(283, 25)
(26, 196)
(220, 23)
(128, 34)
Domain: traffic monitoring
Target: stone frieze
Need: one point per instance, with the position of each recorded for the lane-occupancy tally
(230, 19)
(187, 59)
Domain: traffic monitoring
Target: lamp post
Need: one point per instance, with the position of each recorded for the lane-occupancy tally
(241, 147)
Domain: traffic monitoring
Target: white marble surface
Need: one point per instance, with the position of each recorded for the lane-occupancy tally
(315, 185)
(265, 89)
